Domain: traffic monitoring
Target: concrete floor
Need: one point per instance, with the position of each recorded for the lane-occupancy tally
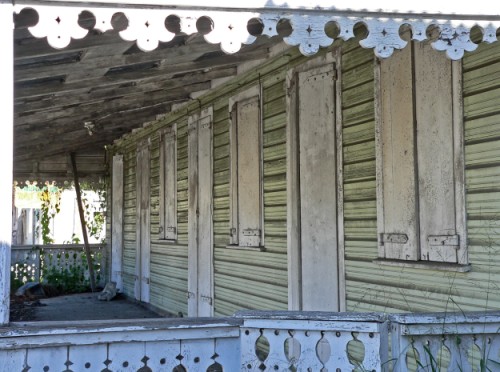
(85, 306)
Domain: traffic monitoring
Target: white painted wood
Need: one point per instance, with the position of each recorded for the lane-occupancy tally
(420, 164)
(318, 202)
(87, 357)
(246, 169)
(340, 180)
(6, 146)
(52, 357)
(459, 159)
(192, 295)
(396, 131)
(293, 193)
(168, 184)
(13, 360)
(143, 260)
(436, 164)
(205, 216)
(249, 186)
(200, 215)
(162, 355)
(117, 221)
(146, 27)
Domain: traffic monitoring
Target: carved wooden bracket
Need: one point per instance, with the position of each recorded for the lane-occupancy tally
(59, 24)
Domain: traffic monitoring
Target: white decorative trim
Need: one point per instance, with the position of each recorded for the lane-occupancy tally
(147, 26)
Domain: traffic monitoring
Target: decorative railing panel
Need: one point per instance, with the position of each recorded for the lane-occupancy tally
(139, 345)
(259, 341)
(312, 341)
(446, 342)
(36, 263)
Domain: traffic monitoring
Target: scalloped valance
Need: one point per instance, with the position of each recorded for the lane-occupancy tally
(58, 22)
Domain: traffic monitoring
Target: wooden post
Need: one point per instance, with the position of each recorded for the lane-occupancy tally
(82, 221)
(6, 150)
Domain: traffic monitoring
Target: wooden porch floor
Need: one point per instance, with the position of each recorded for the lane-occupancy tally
(85, 306)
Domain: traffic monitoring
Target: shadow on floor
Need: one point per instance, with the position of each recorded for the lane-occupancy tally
(84, 306)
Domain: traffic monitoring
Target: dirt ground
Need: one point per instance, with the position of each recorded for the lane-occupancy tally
(81, 306)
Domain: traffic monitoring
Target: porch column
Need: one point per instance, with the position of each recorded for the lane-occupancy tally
(6, 150)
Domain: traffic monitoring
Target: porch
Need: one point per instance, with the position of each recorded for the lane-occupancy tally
(259, 341)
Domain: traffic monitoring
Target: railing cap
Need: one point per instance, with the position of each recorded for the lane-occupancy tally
(446, 318)
(311, 315)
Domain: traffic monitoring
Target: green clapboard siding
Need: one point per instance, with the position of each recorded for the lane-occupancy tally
(250, 279)
(371, 287)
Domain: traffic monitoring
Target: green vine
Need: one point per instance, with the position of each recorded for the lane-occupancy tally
(50, 196)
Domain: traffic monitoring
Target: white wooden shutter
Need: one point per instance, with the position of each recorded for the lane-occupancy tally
(396, 172)
(246, 197)
(421, 158)
(168, 184)
(439, 211)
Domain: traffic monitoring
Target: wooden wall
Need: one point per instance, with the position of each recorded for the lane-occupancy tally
(249, 279)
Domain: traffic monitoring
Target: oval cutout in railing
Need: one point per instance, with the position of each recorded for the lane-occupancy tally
(292, 350)
(323, 350)
(356, 352)
(262, 348)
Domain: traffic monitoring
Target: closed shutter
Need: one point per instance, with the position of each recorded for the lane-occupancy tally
(246, 186)
(168, 184)
(421, 157)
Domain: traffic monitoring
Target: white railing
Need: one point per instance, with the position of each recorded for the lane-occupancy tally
(34, 262)
(140, 345)
(258, 341)
(312, 341)
(446, 342)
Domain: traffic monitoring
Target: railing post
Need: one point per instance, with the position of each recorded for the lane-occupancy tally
(6, 146)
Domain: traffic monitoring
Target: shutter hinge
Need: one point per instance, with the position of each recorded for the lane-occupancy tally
(444, 240)
(394, 238)
(206, 299)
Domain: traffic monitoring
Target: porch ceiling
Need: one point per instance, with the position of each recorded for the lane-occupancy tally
(85, 96)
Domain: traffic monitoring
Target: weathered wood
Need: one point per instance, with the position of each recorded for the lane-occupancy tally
(396, 160)
(318, 197)
(142, 227)
(81, 212)
(6, 165)
(246, 173)
(168, 184)
(117, 221)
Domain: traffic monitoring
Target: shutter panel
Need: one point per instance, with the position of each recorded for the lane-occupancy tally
(170, 185)
(248, 170)
(396, 171)
(233, 190)
(436, 159)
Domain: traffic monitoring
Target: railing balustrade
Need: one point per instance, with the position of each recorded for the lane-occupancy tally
(33, 262)
(259, 341)
(446, 341)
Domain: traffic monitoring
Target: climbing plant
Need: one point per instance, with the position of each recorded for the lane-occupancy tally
(50, 196)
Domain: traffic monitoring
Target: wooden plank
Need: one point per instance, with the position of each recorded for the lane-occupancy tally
(6, 166)
(249, 180)
(396, 161)
(435, 156)
(117, 221)
(205, 207)
(318, 204)
(193, 221)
